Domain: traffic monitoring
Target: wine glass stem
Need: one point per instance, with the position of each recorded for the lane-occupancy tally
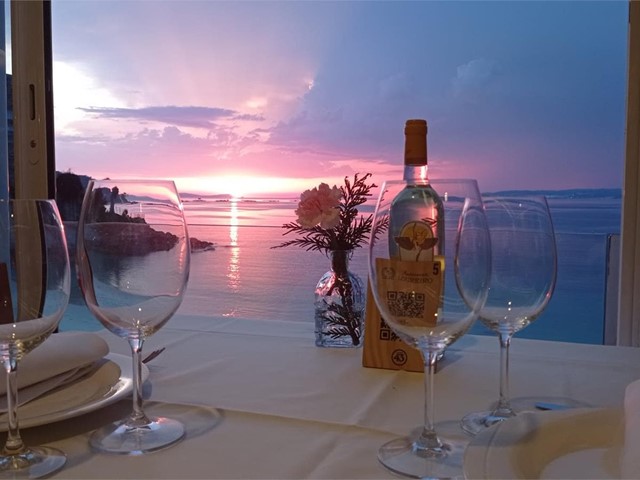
(14, 444)
(137, 417)
(504, 407)
(428, 438)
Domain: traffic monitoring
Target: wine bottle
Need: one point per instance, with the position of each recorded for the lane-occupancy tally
(416, 218)
(416, 232)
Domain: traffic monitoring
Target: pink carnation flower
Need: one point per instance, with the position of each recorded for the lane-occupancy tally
(319, 206)
(328, 217)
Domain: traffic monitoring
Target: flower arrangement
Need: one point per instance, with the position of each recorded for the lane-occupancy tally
(329, 221)
(328, 217)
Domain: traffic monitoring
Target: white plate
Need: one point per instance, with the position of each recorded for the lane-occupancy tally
(577, 443)
(111, 381)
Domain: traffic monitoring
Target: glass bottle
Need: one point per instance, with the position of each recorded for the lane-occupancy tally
(339, 304)
(416, 223)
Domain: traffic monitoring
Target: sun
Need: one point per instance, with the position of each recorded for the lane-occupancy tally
(236, 186)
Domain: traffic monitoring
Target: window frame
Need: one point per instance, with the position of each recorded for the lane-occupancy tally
(32, 86)
(629, 281)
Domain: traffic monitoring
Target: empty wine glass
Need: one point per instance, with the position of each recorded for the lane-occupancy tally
(34, 292)
(522, 281)
(133, 255)
(429, 268)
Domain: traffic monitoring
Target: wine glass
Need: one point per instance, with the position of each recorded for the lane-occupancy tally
(522, 281)
(429, 268)
(34, 292)
(133, 255)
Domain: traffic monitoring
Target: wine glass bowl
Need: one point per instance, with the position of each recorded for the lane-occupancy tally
(34, 293)
(522, 283)
(133, 256)
(429, 268)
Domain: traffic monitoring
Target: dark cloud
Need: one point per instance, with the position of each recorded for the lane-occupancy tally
(191, 116)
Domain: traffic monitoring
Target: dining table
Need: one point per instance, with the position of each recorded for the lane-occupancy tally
(259, 400)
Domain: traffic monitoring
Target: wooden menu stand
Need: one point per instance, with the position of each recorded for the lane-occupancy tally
(382, 348)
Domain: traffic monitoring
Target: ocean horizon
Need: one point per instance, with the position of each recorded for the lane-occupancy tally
(566, 193)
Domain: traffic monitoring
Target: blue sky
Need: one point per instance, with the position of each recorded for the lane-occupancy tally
(260, 96)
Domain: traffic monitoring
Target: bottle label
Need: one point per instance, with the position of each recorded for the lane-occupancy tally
(411, 290)
(416, 241)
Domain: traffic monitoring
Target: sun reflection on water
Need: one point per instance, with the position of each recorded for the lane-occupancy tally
(233, 272)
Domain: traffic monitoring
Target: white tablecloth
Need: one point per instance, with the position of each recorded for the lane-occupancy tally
(261, 401)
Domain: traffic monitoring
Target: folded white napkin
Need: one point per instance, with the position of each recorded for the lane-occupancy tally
(62, 358)
(630, 461)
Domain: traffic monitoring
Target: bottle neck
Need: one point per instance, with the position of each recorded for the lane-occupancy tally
(415, 152)
(340, 261)
(416, 174)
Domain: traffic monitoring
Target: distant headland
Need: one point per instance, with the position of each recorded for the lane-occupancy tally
(123, 228)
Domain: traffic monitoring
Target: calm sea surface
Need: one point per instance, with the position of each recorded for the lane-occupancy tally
(245, 277)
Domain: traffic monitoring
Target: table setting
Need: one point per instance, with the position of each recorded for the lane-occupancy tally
(80, 359)
(221, 397)
(249, 408)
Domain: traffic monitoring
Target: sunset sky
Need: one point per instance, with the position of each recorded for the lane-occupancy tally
(264, 97)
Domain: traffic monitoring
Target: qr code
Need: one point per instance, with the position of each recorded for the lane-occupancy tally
(386, 333)
(406, 304)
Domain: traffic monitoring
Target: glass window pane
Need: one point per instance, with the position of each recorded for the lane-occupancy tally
(266, 99)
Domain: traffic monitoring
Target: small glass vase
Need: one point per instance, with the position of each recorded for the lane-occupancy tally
(339, 304)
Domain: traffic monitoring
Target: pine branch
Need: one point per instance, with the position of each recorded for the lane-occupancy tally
(343, 321)
(351, 232)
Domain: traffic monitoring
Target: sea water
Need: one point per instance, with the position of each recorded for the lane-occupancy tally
(245, 277)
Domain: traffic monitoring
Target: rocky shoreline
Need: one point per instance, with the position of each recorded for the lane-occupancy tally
(70, 190)
(122, 238)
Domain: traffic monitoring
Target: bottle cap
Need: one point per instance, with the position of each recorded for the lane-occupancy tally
(415, 145)
(416, 126)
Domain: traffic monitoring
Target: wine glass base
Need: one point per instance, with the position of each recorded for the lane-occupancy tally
(474, 423)
(123, 439)
(539, 403)
(35, 462)
(401, 456)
